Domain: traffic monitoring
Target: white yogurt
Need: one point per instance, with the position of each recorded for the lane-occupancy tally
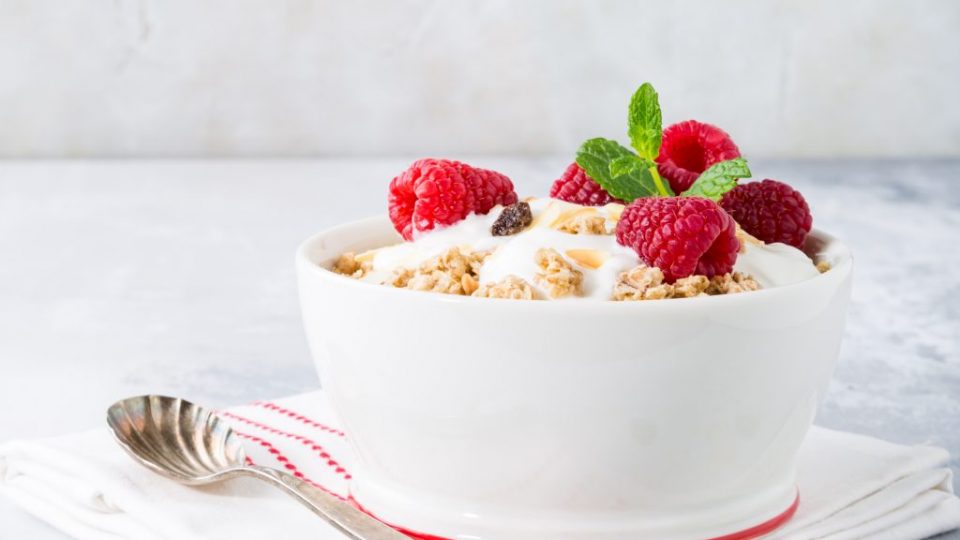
(771, 265)
(516, 257)
(775, 265)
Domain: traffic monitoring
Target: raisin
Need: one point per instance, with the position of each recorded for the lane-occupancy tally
(512, 220)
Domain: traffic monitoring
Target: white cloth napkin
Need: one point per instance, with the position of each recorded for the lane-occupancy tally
(851, 486)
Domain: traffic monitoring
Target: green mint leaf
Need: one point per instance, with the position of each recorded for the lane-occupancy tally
(718, 179)
(623, 174)
(645, 123)
(627, 165)
(634, 164)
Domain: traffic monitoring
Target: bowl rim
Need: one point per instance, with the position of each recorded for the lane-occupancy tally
(839, 270)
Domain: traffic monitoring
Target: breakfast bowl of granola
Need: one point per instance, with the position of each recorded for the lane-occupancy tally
(638, 355)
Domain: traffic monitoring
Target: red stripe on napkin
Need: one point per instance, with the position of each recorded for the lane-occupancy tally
(306, 441)
(303, 419)
(285, 462)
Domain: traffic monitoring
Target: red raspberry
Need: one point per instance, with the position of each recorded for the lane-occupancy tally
(770, 210)
(431, 192)
(441, 192)
(490, 188)
(575, 186)
(681, 236)
(689, 148)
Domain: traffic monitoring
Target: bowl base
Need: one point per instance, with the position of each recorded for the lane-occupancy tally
(754, 531)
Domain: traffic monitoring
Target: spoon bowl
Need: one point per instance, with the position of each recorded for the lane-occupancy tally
(176, 438)
(194, 446)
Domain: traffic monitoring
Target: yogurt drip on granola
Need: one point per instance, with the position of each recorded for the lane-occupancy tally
(771, 265)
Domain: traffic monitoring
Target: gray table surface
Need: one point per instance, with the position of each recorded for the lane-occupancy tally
(126, 277)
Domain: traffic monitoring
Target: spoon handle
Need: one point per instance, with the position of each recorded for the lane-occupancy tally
(351, 521)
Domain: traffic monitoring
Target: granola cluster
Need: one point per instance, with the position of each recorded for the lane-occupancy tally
(646, 283)
(584, 223)
(510, 288)
(453, 272)
(734, 282)
(348, 265)
(642, 283)
(557, 276)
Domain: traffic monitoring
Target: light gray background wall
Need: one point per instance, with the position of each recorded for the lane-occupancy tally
(804, 78)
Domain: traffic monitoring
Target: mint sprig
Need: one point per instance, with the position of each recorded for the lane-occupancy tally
(623, 174)
(627, 175)
(718, 179)
(645, 122)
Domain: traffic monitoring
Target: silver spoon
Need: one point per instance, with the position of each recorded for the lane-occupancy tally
(191, 445)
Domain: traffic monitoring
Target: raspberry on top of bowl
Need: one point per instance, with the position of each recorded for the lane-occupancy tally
(666, 218)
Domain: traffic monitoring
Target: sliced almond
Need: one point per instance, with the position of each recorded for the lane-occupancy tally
(469, 284)
(549, 213)
(570, 214)
(588, 258)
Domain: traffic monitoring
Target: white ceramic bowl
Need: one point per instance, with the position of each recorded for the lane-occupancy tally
(478, 418)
